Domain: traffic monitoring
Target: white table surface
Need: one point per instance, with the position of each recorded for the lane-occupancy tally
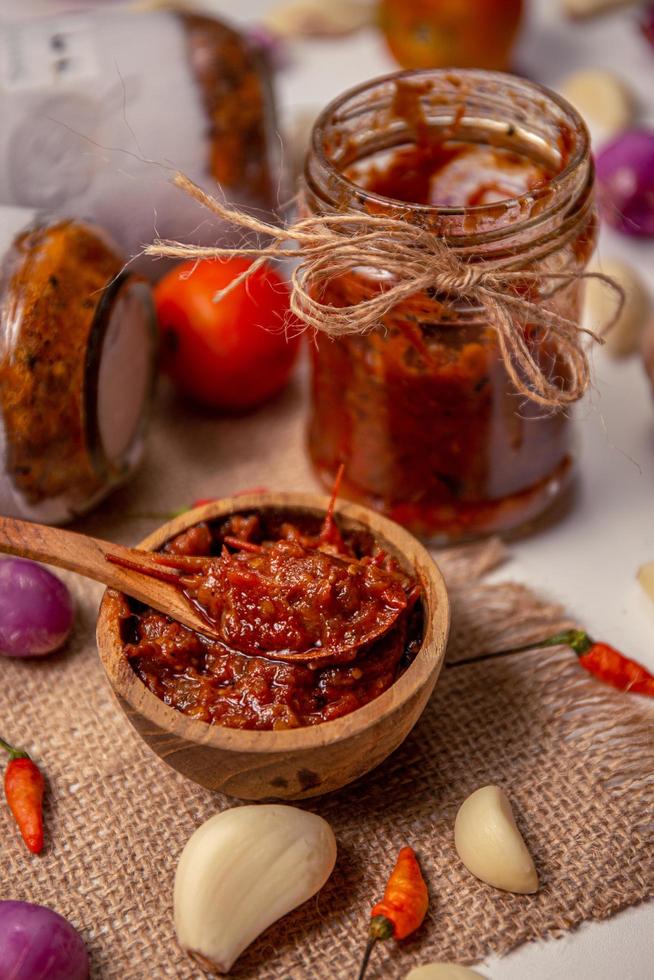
(589, 558)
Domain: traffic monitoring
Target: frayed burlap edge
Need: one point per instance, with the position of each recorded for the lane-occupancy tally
(575, 758)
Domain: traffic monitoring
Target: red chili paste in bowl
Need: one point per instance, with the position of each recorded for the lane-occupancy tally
(313, 623)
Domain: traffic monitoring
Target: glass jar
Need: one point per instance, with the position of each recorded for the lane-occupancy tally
(77, 366)
(422, 411)
(100, 108)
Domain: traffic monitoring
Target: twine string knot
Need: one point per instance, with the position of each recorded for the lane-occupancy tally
(542, 349)
(464, 282)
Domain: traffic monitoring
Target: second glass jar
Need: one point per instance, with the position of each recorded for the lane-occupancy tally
(77, 366)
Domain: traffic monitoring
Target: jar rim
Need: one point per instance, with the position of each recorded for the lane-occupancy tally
(108, 467)
(579, 151)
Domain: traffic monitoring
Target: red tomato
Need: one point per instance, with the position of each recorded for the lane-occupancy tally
(228, 355)
(450, 33)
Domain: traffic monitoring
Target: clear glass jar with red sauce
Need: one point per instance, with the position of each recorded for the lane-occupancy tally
(421, 410)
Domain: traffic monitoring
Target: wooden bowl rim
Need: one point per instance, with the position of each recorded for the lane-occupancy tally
(427, 662)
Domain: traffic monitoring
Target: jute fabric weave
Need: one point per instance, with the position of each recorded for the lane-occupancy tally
(576, 759)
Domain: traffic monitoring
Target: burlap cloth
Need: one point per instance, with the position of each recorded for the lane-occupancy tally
(575, 758)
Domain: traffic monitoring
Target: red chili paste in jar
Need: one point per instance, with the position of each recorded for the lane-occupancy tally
(455, 174)
(313, 624)
(422, 411)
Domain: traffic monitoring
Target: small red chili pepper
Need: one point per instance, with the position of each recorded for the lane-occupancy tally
(24, 786)
(329, 532)
(601, 660)
(403, 907)
(607, 663)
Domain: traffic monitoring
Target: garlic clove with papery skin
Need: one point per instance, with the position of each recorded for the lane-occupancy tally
(602, 98)
(319, 19)
(490, 845)
(601, 304)
(241, 871)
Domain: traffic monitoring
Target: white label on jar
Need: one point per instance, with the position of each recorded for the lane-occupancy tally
(125, 374)
(47, 54)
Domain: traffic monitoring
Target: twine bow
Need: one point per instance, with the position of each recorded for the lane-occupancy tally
(407, 261)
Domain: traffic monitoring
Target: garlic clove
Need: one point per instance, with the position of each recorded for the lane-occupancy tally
(602, 98)
(490, 845)
(241, 871)
(646, 578)
(442, 971)
(624, 336)
(315, 18)
(592, 8)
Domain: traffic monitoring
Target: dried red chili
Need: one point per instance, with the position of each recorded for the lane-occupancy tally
(24, 787)
(403, 907)
(613, 668)
(605, 662)
(601, 660)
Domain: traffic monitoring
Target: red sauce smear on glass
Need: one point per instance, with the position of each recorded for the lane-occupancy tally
(455, 174)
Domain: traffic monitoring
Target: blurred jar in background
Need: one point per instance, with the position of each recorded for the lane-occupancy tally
(451, 33)
(77, 366)
(100, 109)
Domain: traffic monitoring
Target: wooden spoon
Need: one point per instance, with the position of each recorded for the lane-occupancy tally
(92, 558)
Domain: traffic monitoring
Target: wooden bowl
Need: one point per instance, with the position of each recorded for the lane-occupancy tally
(301, 762)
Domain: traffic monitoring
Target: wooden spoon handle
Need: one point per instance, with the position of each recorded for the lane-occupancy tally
(87, 556)
(65, 549)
